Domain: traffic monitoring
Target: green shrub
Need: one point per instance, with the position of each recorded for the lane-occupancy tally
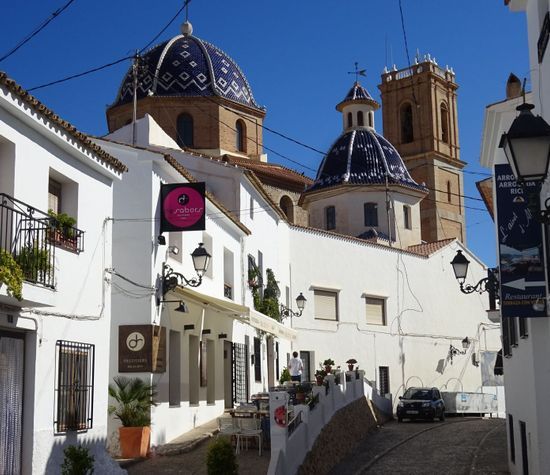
(63, 223)
(220, 458)
(34, 262)
(77, 461)
(285, 376)
(11, 274)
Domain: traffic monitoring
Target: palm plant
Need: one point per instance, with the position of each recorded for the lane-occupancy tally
(135, 398)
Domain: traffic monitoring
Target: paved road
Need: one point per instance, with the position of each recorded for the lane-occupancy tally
(463, 446)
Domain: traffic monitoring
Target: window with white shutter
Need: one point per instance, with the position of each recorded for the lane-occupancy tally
(375, 310)
(326, 304)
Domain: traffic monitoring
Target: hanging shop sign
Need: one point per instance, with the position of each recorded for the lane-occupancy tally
(141, 349)
(522, 277)
(183, 207)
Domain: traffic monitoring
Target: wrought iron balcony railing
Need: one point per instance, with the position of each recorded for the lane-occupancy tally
(228, 291)
(31, 236)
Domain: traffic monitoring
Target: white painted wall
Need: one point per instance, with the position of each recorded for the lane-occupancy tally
(79, 308)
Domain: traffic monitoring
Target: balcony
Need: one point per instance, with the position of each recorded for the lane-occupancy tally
(228, 291)
(31, 237)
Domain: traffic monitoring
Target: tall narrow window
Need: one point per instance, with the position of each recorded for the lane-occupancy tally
(350, 119)
(185, 130)
(384, 375)
(174, 369)
(330, 217)
(512, 322)
(444, 122)
(406, 119)
(523, 330)
(203, 363)
(407, 217)
(524, 448)
(287, 206)
(360, 119)
(54, 196)
(257, 359)
(240, 136)
(511, 439)
(370, 119)
(449, 194)
(371, 214)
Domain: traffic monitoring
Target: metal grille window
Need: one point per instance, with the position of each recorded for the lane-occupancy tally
(384, 372)
(257, 359)
(239, 366)
(75, 386)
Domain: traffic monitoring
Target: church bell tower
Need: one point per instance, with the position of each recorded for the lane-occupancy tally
(420, 119)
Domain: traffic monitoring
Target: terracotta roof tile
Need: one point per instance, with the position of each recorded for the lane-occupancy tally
(41, 109)
(485, 188)
(428, 248)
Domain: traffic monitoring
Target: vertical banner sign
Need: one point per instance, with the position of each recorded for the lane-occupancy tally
(183, 207)
(522, 277)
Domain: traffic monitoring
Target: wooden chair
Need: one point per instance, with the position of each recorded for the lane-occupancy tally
(249, 429)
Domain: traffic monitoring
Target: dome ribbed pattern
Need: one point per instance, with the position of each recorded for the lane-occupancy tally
(187, 66)
(362, 157)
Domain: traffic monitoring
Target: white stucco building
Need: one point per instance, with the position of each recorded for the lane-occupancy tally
(526, 363)
(54, 342)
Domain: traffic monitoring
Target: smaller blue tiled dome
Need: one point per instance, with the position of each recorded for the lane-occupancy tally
(360, 156)
(187, 66)
(357, 95)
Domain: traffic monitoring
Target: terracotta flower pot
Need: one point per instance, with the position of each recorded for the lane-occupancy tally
(300, 398)
(134, 441)
(328, 369)
(350, 367)
(320, 380)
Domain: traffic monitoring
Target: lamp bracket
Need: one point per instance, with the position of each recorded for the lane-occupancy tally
(171, 279)
(286, 312)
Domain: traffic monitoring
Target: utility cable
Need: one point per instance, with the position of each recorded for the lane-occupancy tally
(37, 30)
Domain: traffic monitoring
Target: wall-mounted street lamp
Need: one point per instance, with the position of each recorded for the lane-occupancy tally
(182, 307)
(171, 279)
(453, 351)
(488, 284)
(527, 148)
(288, 312)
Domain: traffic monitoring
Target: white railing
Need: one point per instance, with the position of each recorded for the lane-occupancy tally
(289, 451)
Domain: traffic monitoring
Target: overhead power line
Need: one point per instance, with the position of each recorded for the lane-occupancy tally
(37, 30)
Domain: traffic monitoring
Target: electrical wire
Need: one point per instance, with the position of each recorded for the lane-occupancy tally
(114, 272)
(37, 30)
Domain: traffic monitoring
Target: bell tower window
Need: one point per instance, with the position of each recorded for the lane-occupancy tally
(444, 122)
(406, 118)
(370, 119)
(350, 120)
(185, 130)
(449, 194)
(360, 119)
(371, 214)
(240, 136)
(330, 218)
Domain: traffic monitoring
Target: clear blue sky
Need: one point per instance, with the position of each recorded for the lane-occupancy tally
(295, 55)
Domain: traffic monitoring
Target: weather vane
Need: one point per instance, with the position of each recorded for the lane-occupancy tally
(358, 72)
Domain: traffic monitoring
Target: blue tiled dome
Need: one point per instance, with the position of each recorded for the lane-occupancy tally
(357, 94)
(187, 66)
(362, 157)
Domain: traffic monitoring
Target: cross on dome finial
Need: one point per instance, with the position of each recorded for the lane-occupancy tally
(358, 72)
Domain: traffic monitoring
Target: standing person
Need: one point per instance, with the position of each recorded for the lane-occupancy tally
(295, 366)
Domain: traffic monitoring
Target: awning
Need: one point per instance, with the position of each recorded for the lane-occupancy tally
(247, 315)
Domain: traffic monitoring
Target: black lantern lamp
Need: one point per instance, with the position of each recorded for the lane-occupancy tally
(488, 284)
(466, 343)
(288, 312)
(527, 145)
(171, 279)
(453, 351)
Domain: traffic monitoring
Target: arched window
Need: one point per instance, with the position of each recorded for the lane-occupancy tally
(287, 206)
(371, 214)
(350, 120)
(330, 218)
(240, 136)
(444, 122)
(370, 119)
(360, 119)
(449, 194)
(185, 130)
(406, 118)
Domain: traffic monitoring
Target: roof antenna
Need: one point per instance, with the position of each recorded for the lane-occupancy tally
(358, 72)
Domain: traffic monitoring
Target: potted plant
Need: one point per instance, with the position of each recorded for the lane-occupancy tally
(11, 274)
(328, 364)
(134, 398)
(62, 229)
(35, 263)
(350, 363)
(285, 376)
(300, 394)
(320, 376)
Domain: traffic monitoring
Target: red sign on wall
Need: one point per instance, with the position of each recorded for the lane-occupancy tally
(183, 207)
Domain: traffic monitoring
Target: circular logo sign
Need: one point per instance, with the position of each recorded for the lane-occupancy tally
(183, 207)
(135, 341)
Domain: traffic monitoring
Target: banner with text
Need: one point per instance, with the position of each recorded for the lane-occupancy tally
(183, 207)
(522, 277)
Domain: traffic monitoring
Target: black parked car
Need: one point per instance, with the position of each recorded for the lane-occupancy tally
(421, 403)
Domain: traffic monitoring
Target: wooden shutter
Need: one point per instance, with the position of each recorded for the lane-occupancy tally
(375, 310)
(326, 305)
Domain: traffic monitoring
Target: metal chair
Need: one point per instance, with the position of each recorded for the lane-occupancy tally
(250, 429)
(227, 426)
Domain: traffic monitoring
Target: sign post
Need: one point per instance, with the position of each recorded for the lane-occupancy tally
(522, 277)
